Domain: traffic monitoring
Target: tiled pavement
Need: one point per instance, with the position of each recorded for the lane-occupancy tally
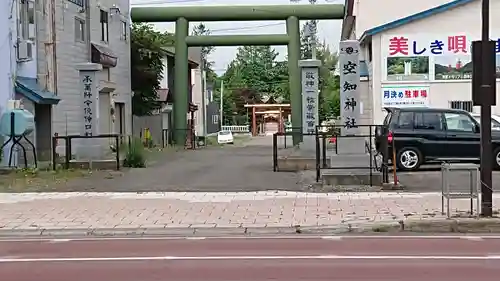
(181, 210)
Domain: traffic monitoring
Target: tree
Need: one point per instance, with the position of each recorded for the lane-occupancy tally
(254, 72)
(146, 66)
(307, 38)
(329, 83)
(202, 30)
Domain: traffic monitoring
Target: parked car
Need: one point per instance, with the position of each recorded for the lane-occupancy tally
(495, 120)
(422, 135)
(225, 137)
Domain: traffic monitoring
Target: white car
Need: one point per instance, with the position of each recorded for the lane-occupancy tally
(225, 137)
(495, 120)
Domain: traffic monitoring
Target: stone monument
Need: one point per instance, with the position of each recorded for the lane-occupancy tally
(310, 118)
(350, 99)
(90, 148)
(351, 162)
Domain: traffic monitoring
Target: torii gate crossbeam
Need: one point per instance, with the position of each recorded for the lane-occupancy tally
(182, 15)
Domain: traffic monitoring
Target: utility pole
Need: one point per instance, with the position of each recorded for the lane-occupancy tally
(221, 103)
(484, 95)
(487, 90)
(204, 95)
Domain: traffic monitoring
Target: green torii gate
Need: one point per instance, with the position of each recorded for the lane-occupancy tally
(182, 15)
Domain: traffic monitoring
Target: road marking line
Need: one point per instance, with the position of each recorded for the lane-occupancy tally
(221, 258)
(472, 238)
(41, 239)
(338, 238)
(59, 240)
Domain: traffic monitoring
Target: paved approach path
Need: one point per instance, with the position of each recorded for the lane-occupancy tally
(186, 213)
(246, 167)
(254, 259)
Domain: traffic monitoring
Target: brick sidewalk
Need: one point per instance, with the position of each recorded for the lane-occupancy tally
(91, 211)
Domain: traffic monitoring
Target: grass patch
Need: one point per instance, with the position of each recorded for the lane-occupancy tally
(35, 180)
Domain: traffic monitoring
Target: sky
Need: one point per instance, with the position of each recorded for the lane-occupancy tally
(328, 30)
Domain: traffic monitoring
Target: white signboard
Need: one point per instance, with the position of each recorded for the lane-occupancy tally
(350, 107)
(405, 96)
(414, 45)
(310, 80)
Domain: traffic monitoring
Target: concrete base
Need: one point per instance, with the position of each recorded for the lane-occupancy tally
(94, 164)
(343, 177)
(392, 186)
(360, 161)
(296, 163)
(354, 145)
(302, 158)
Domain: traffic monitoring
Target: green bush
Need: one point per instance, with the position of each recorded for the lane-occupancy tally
(211, 140)
(135, 155)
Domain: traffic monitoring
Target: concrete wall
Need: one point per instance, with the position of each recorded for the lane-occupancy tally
(441, 93)
(154, 123)
(10, 67)
(7, 51)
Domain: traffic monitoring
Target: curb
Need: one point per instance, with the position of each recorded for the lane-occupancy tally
(462, 225)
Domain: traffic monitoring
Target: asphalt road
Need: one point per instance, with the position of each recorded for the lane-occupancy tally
(232, 168)
(428, 179)
(253, 259)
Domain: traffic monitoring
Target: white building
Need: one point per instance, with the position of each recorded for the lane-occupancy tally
(18, 67)
(418, 52)
(161, 121)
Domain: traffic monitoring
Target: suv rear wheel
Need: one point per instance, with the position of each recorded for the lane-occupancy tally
(496, 159)
(409, 159)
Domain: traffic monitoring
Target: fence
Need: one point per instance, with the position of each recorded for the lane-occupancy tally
(69, 147)
(192, 141)
(282, 141)
(326, 144)
(330, 135)
(238, 129)
(152, 124)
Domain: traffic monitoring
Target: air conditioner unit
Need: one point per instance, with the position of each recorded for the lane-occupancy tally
(24, 51)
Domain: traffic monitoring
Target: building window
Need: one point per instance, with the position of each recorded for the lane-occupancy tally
(123, 34)
(26, 20)
(463, 105)
(215, 119)
(104, 26)
(79, 30)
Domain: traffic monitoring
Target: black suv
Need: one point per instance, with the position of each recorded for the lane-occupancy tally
(423, 135)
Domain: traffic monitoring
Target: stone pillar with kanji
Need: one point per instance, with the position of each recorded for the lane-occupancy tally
(89, 148)
(310, 105)
(350, 99)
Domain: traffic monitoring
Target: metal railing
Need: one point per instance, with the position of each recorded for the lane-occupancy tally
(332, 134)
(68, 147)
(280, 142)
